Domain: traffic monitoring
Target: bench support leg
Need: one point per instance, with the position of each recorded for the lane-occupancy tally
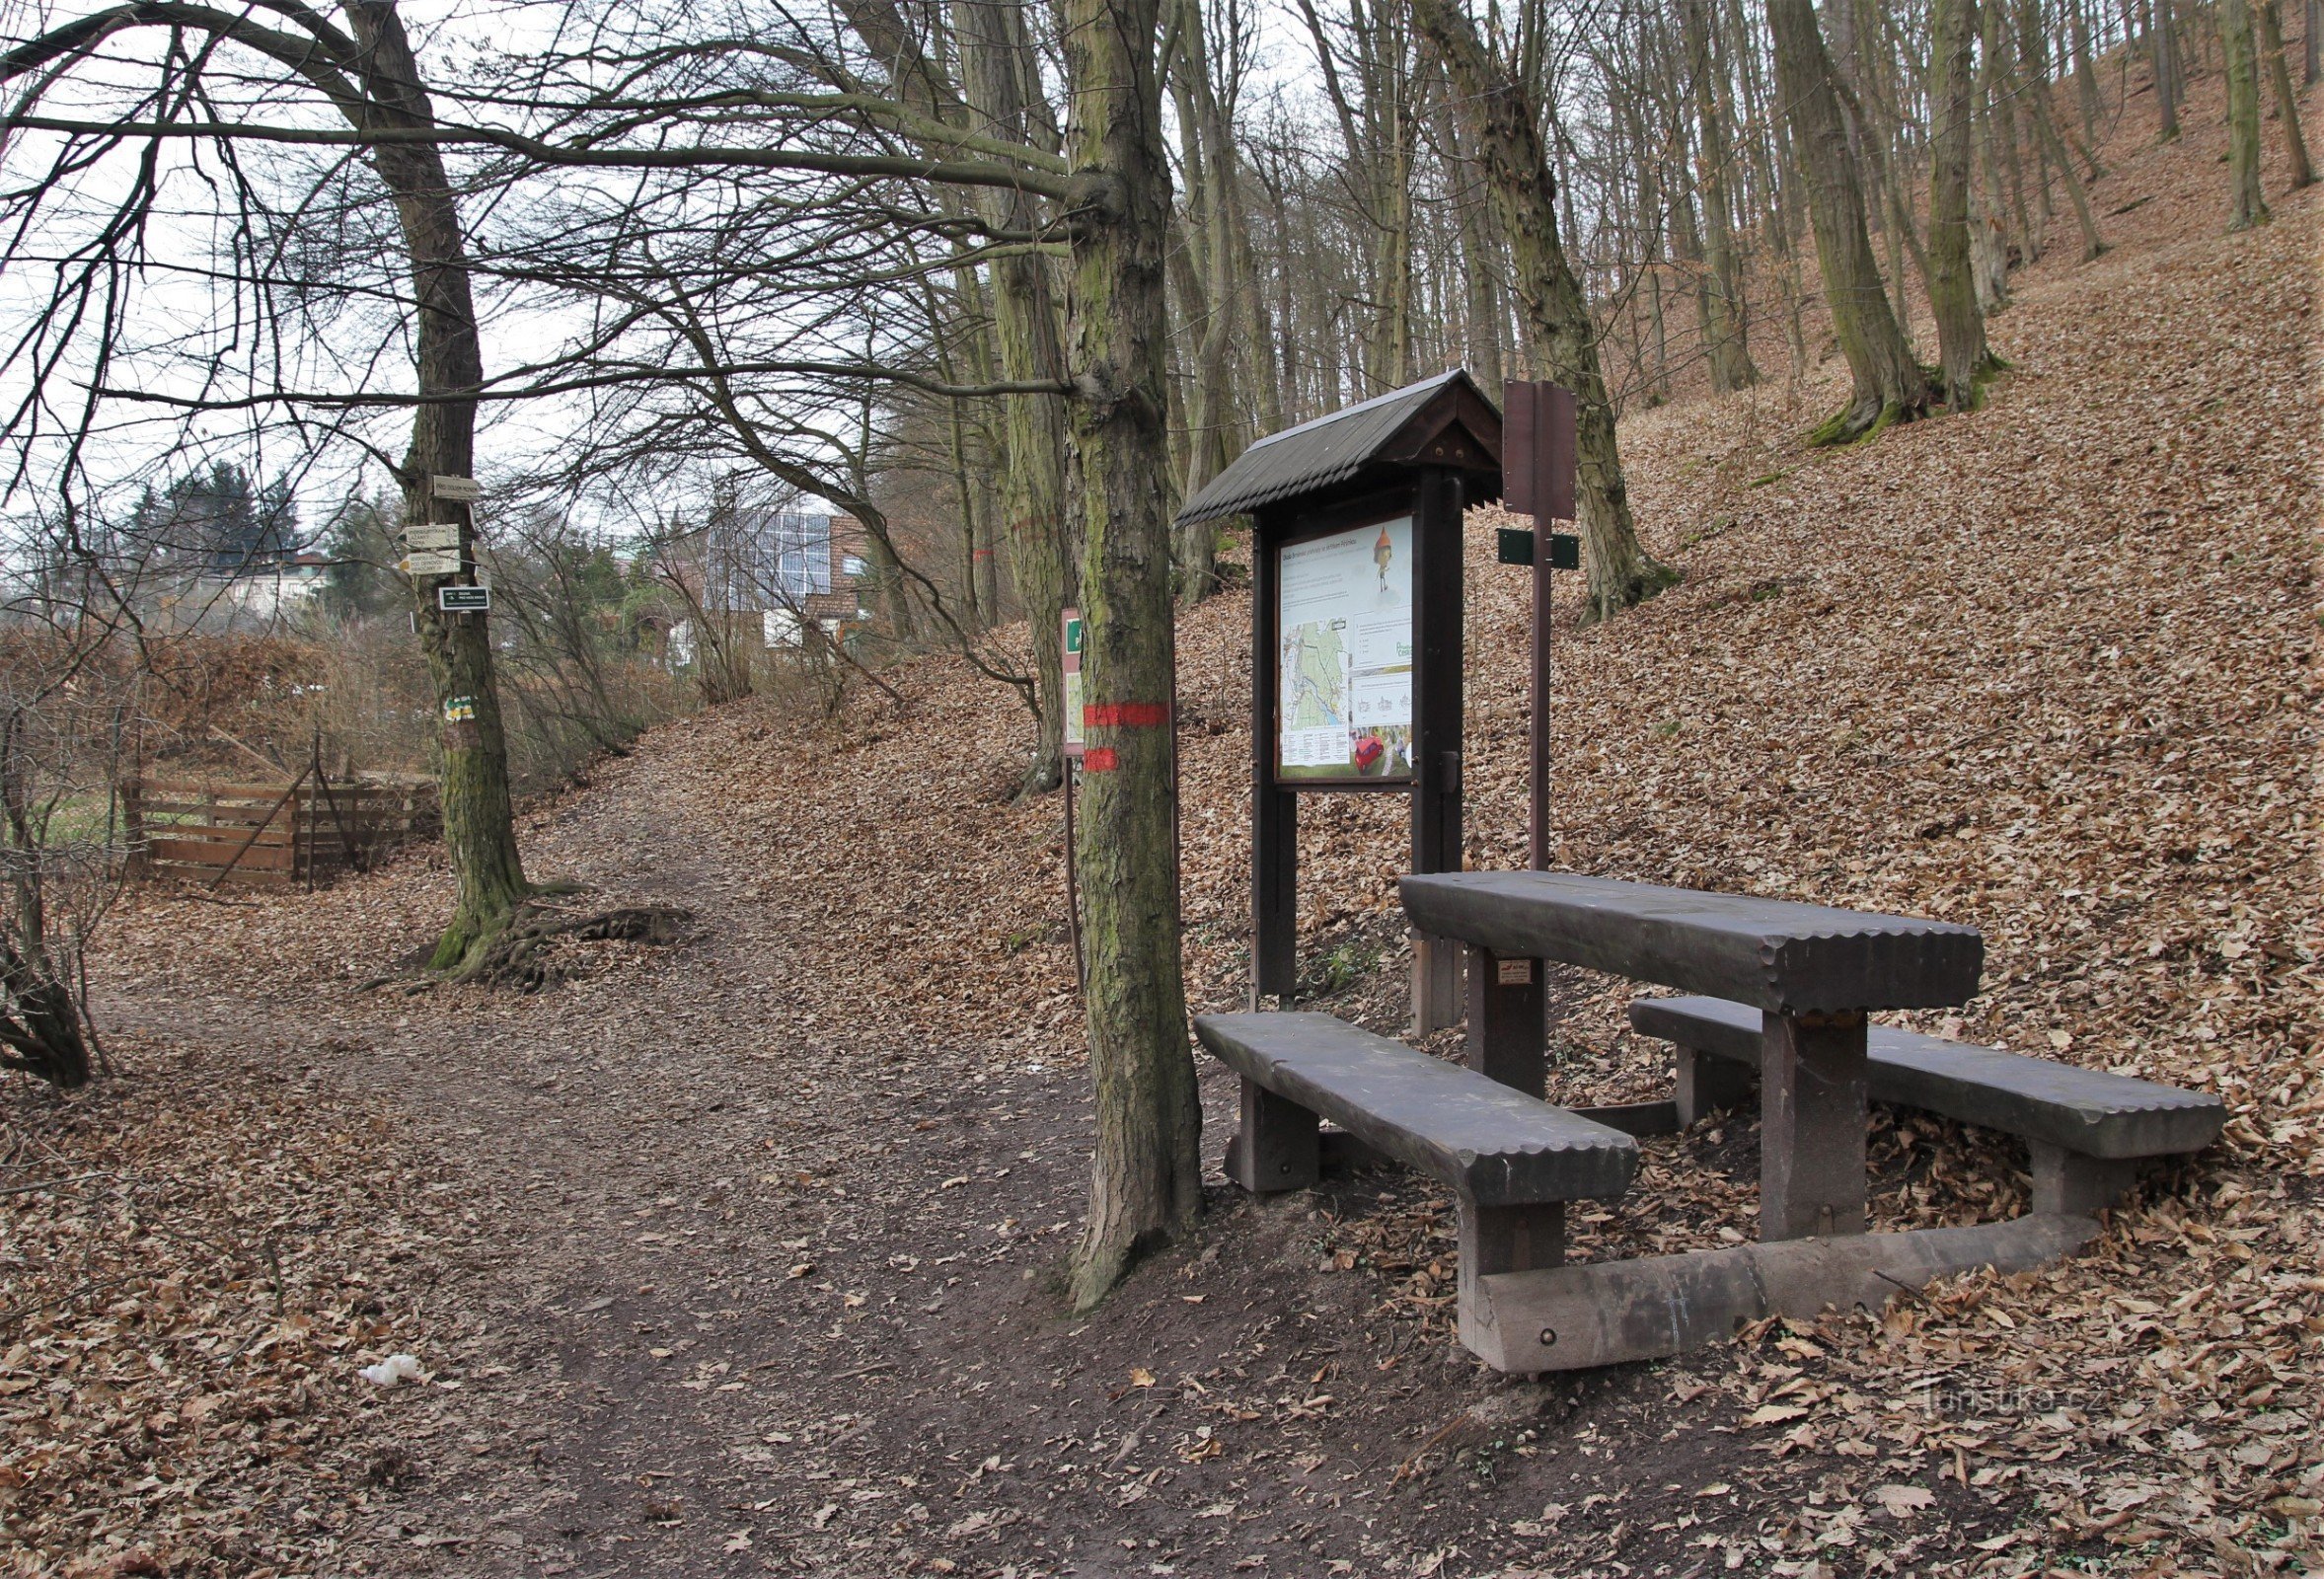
(1505, 1020)
(1707, 1084)
(1276, 1148)
(2077, 1184)
(1812, 1096)
(1436, 983)
(1503, 1238)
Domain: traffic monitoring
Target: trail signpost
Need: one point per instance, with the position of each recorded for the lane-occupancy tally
(1538, 480)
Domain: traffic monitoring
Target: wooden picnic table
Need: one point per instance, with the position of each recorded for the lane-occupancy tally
(1812, 971)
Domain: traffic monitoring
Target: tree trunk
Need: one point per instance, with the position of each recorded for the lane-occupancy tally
(1146, 1184)
(2303, 172)
(1729, 345)
(479, 832)
(2167, 72)
(2085, 71)
(2247, 202)
(1507, 136)
(41, 1028)
(1961, 326)
(1889, 385)
(1208, 156)
(2054, 153)
(1483, 290)
(995, 62)
(1995, 78)
(1988, 230)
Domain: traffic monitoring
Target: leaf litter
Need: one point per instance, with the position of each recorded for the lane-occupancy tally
(2047, 669)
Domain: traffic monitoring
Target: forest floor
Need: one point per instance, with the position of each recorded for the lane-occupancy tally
(738, 1255)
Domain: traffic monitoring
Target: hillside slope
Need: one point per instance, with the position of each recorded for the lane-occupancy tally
(2047, 669)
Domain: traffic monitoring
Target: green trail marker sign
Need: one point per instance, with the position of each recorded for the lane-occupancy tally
(464, 599)
(1517, 547)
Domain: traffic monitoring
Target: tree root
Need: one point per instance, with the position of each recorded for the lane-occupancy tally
(1652, 579)
(518, 957)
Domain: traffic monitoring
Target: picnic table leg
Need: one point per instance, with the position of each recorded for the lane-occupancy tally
(1276, 1146)
(1812, 1120)
(1707, 1084)
(1436, 983)
(1505, 1020)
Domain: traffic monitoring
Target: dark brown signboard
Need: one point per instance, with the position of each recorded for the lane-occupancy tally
(1537, 450)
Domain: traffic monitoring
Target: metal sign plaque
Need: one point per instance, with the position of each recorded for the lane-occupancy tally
(432, 536)
(431, 563)
(1070, 647)
(464, 599)
(458, 490)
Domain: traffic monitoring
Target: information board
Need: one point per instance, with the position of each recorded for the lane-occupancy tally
(1343, 698)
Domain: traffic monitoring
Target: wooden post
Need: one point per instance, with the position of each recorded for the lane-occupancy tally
(1507, 1014)
(1436, 733)
(1537, 470)
(1813, 1081)
(1707, 1084)
(1275, 1149)
(1274, 811)
(137, 862)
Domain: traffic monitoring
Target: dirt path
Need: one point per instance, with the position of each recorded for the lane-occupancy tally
(735, 1305)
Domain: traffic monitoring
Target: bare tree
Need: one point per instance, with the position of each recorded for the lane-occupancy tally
(367, 73)
(1952, 287)
(1889, 383)
(1563, 335)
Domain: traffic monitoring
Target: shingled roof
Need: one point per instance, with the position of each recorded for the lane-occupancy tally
(1331, 450)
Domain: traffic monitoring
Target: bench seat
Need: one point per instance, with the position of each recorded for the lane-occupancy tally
(1494, 1145)
(1513, 1160)
(2103, 1123)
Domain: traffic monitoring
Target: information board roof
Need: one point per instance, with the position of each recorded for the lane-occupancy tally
(1387, 429)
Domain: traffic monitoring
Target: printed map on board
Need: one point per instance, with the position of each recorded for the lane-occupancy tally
(1320, 674)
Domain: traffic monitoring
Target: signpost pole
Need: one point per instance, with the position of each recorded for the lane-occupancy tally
(1538, 463)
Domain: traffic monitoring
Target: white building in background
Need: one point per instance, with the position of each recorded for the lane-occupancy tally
(787, 566)
(255, 597)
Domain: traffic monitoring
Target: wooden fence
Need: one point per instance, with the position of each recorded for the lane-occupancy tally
(271, 835)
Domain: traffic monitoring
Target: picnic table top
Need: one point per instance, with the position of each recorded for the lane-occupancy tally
(1771, 953)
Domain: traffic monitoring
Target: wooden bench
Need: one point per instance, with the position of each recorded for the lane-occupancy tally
(1512, 1159)
(2086, 1131)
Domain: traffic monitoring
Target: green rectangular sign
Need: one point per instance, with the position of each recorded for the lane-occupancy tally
(1517, 547)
